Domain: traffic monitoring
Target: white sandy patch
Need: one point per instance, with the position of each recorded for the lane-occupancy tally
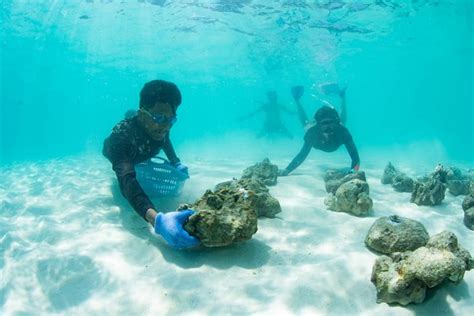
(71, 245)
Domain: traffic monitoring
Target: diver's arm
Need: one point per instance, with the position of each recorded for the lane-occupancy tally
(247, 116)
(352, 150)
(301, 113)
(130, 187)
(169, 150)
(343, 113)
(116, 149)
(300, 157)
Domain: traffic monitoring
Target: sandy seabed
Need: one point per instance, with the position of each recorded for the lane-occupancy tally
(70, 244)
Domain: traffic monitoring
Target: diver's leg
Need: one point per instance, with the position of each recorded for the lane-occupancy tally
(301, 113)
(343, 113)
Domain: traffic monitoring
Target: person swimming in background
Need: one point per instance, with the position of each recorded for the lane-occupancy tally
(140, 137)
(273, 123)
(326, 133)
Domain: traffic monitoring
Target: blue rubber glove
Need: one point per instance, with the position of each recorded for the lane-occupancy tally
(170, 227)
(182, 168)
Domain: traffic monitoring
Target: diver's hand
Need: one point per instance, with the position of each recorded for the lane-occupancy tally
(170, 227)
(354, 169)
(283, 172)
(182, 168)
(347, 170)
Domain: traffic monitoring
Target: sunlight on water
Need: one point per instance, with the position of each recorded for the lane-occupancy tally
(70, 243)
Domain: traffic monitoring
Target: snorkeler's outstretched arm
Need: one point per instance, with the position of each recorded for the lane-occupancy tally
(352, 150)
(117, 150)
(130, 187)
(298, 160)
(247, 116)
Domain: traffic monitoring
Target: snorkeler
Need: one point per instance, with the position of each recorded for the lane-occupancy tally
(273, 124)
(327, 132)
(140, 137)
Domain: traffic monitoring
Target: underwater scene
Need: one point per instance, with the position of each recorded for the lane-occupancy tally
(236, 157)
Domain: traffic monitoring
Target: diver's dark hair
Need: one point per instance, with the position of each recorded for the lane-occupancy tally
(159, 91)
(326, 114)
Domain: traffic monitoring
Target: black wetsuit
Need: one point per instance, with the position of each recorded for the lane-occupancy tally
(127, 146)
(327, 137)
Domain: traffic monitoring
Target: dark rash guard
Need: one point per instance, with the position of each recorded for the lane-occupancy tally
(327, 137)
(128, 145)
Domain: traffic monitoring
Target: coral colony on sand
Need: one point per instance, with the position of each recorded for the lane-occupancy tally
(229, 214)
(430, 189)
(222, 218)
(257, 194)
(411, 260)
(264, 171)
(399, 181)
(403, 276)
(335, 178)
(347, 192)
(416, 262)
(468, 208)
(395, 234)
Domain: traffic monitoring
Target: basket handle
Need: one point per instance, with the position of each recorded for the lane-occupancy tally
(183, 176)
(164, 160)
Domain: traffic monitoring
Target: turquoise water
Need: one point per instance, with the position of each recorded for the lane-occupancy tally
(69, 70)
(71, 245)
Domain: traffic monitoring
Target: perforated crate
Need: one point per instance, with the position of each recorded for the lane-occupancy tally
(159, 178)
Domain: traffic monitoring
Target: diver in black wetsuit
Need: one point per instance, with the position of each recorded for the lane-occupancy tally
(326, 133)
(139, 138)
(273, 123)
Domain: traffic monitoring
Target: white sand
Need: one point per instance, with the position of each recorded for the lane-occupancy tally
(69, 246)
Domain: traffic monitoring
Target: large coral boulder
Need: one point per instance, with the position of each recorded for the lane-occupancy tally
(430, 190)
(257, 195)
(222, 218)
(351, 197)
(389, 173)
(403, 277)
(468, 208)
(403, 183)
(430, 193)
(458, 187)
(264, 171)
(432, 266)
(396, 234)
(393, 284)
(335, 178)
(457, 181)
(399, 181)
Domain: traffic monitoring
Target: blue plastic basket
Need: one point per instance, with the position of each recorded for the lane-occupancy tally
(159, 178)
